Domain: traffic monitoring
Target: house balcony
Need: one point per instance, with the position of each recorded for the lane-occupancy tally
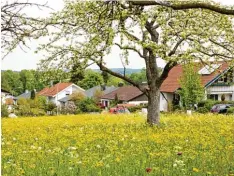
(223, 84)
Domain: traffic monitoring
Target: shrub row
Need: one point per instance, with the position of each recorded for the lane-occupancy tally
(136, 108)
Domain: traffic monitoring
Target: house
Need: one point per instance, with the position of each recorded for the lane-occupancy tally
(125, 94)
(8, 99)
(26, 95)
(218, 80)
(60, 92)
(105, 90)
(4, 94)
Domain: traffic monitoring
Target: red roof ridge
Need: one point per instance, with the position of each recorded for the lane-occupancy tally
(52, 91)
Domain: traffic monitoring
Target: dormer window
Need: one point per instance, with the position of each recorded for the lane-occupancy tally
(208, 69)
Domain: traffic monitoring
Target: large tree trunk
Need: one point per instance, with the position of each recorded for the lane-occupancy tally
(153, 115)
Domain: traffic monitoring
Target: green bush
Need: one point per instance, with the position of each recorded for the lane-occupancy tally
(29, 107)
(207, 104)
(51, 106)
(203, 110)
(4, 111)
(230, 110)
(88, 105)
(176, 108)
(37, 112)
(229, 102)
(23, 108)
(137, 108)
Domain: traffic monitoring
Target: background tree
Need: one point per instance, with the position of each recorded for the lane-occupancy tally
(77, 73)
(33, 94)
(53, 75)
(28, 79)
(10, 81)
(91, 79)
(139, 77)
(192, 90)
(114, 81)
(153, 32)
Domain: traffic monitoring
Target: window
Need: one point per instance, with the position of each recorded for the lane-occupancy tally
(221, 80)
(208, 69)
(67, 92)
(213, 97)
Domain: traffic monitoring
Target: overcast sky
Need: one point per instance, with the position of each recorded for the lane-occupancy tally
(18, 59)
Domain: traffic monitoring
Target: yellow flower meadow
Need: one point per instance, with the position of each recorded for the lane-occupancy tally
(118, 145)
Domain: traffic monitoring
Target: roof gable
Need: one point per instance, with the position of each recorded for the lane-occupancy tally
(52, 91)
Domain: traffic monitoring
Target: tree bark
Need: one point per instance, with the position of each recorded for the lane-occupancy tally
(153, 116)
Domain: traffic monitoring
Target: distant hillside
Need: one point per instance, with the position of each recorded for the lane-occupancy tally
(118, 70)
(121, 70)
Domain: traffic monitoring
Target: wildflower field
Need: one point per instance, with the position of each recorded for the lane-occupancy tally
(118, 145)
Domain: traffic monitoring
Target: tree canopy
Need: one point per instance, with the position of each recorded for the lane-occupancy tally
(17, 26)
(91, 29)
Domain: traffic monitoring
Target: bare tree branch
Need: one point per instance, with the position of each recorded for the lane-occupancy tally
(175, 47)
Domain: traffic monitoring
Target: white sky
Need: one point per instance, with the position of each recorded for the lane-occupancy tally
(18, 59)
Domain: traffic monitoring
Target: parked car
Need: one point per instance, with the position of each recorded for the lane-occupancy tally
(220, 108)
(118, 110)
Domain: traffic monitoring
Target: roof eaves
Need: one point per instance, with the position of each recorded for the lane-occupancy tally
(217, 77)
(135, 97)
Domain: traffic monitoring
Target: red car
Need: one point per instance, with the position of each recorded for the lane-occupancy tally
(118, 110)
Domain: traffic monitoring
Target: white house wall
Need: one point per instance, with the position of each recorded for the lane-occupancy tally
(220, 90)
(137, 102)
(69, 90)
(164, 101)
(3, 97)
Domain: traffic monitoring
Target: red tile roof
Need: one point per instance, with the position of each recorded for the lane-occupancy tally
(52, 91)
(171, 83)
(125, 93)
